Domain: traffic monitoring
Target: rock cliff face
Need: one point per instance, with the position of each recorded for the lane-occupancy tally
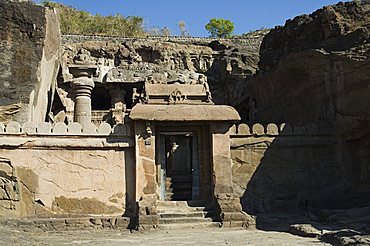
(316, 70)
(29, 44)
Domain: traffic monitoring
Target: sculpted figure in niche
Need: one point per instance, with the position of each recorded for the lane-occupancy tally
(203, 81)
(178, 156)
(135, 96)
(139, 97)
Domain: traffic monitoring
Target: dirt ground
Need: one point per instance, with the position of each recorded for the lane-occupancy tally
(204, 236)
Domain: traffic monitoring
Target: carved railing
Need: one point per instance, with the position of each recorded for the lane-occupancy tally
(74, 128)
(244, 130)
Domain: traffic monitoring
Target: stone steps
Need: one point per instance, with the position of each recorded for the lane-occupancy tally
(178, 196)
(182, 220)
(178, 188)
(185, 214)
(181, 214)
(190, 225)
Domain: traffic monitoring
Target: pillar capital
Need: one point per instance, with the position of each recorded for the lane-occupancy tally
(83, 81)
(83, 86)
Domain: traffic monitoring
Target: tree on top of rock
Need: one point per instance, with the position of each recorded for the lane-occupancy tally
(220, 28)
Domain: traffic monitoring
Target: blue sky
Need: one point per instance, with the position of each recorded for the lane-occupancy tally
(246, 14)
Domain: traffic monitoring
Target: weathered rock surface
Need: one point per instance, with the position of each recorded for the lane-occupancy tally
(315, 69)
(29, 45)
(226, 64)
(305, 230)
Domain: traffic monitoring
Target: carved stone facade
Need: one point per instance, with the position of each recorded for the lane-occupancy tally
(130, 127)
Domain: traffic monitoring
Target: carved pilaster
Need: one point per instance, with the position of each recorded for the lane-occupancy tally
(229, 207)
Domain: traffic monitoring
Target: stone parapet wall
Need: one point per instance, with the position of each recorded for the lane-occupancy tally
(58, 170)
(74, 128)
(285, 168)
(244, 130)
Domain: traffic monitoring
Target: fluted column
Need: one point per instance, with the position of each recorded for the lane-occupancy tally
(82, 87)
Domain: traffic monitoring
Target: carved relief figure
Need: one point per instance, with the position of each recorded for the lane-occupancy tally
(176, 96)
(203, 81)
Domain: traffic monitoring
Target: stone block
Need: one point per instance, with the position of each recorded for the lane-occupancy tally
(2, 128)
(232, 130)
(272, 129)
(43, 223)
(13, 127)
(119, 129)
(29, 128)
(258, 129)
(243, 129)
(104, 129)
(113, 221)
(90, 129)
(74, 128)
(148, 220)
(106, 223)
(233, 216)
(60, 128)
(44, 128)
(59, 224)
(6, 168)
(96, 222)
(83, 222)
(122, 222)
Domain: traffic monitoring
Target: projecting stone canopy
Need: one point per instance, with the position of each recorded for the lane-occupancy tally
(184, 113)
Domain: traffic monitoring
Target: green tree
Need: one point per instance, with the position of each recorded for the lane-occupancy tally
(220, 28)
(73, 21)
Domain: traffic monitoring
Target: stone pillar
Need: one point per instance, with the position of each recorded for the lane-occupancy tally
(82, 87)
(146, 184)
(229, 207)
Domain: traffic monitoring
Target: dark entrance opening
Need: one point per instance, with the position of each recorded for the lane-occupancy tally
(100, 98)
(180, 170)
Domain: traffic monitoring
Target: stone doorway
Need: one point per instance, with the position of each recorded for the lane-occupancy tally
(179, 172)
